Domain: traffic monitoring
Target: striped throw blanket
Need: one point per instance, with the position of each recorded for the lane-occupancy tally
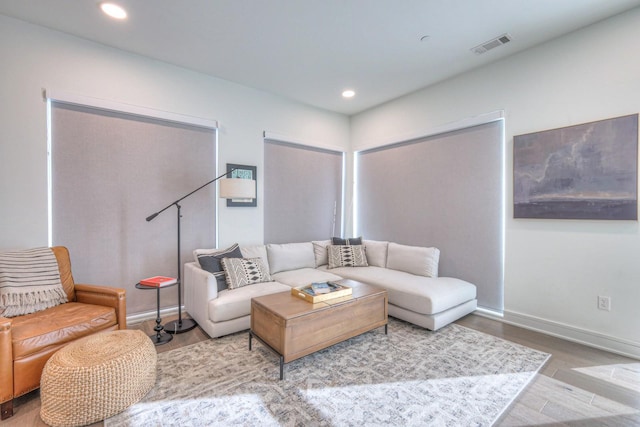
(29, 282)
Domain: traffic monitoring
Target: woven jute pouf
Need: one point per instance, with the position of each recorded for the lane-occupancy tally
(97, 377)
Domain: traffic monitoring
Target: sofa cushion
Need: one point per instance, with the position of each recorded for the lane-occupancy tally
(424, 295)
(209, 260)
(234, 303)
(241, 272)
(347, 256)
(376, 252)
(348, 241)
(256, 251)
(304, 276)
(58, 325)
(413, 259)
(320, 251)
(290, 256)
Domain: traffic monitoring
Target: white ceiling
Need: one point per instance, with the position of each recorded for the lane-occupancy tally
(311, 50)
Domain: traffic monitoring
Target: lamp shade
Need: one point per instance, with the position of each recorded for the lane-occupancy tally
(237, 188)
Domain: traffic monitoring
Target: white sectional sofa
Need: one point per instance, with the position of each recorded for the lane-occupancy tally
(408, 273)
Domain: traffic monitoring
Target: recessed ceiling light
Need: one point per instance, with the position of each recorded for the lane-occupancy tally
(348, 93)
(113, 10)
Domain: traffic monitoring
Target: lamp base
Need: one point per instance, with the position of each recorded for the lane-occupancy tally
(180, 326)
(159, 339)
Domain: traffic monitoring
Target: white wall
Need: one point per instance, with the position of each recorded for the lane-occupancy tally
(554, 270)
(34, 58)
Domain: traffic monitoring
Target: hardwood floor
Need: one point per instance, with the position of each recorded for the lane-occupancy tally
(579, 386)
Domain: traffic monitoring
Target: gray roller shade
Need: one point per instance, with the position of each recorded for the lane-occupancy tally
(109, 171)
(444, 191)
(302, 192)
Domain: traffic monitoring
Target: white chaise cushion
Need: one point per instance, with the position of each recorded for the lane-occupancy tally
(413, 259)
(290, 256)
(376, 252)
(424, 295)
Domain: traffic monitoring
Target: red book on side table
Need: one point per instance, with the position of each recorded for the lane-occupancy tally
(158, 281)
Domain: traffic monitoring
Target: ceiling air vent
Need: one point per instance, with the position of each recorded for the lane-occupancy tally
(493, 43)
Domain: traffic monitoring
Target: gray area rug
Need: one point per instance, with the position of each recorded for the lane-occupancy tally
(410, 377)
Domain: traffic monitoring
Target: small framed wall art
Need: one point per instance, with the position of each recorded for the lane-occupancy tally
(243, 172)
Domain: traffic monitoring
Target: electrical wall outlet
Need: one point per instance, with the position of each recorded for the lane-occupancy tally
(604, 303)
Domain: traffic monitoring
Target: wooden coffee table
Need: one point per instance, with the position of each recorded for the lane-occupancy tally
(293, 327)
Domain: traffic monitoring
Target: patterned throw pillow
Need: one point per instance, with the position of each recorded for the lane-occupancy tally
(209, 260)
(241, 272)
(347, 256)
(348, 241)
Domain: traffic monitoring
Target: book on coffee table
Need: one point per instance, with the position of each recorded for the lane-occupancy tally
(321, 288)
(307, 292)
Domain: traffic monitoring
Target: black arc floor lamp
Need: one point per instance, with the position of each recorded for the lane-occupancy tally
(231, 188)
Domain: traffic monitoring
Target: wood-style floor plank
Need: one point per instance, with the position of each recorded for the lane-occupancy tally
(561, 395)
(600, 387)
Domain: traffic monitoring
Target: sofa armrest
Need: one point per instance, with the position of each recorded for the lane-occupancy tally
(105, 296)
(6, 360)
(200, 287)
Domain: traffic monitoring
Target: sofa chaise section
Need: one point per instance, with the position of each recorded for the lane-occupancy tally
(425, 301)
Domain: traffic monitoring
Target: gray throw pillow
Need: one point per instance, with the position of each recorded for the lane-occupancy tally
(348, 241)
(211, 262)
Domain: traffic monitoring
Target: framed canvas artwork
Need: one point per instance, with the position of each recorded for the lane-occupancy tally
(586, 171)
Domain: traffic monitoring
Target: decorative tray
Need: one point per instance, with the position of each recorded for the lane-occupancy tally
(318, 292)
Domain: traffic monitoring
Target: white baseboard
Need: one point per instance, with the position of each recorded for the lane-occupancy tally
(133, 319)
(570, 333)
(491, 314)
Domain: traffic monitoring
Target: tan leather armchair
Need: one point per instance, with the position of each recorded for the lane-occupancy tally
(27, 342)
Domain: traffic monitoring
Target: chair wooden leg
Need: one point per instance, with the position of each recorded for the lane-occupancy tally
(6, 409)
